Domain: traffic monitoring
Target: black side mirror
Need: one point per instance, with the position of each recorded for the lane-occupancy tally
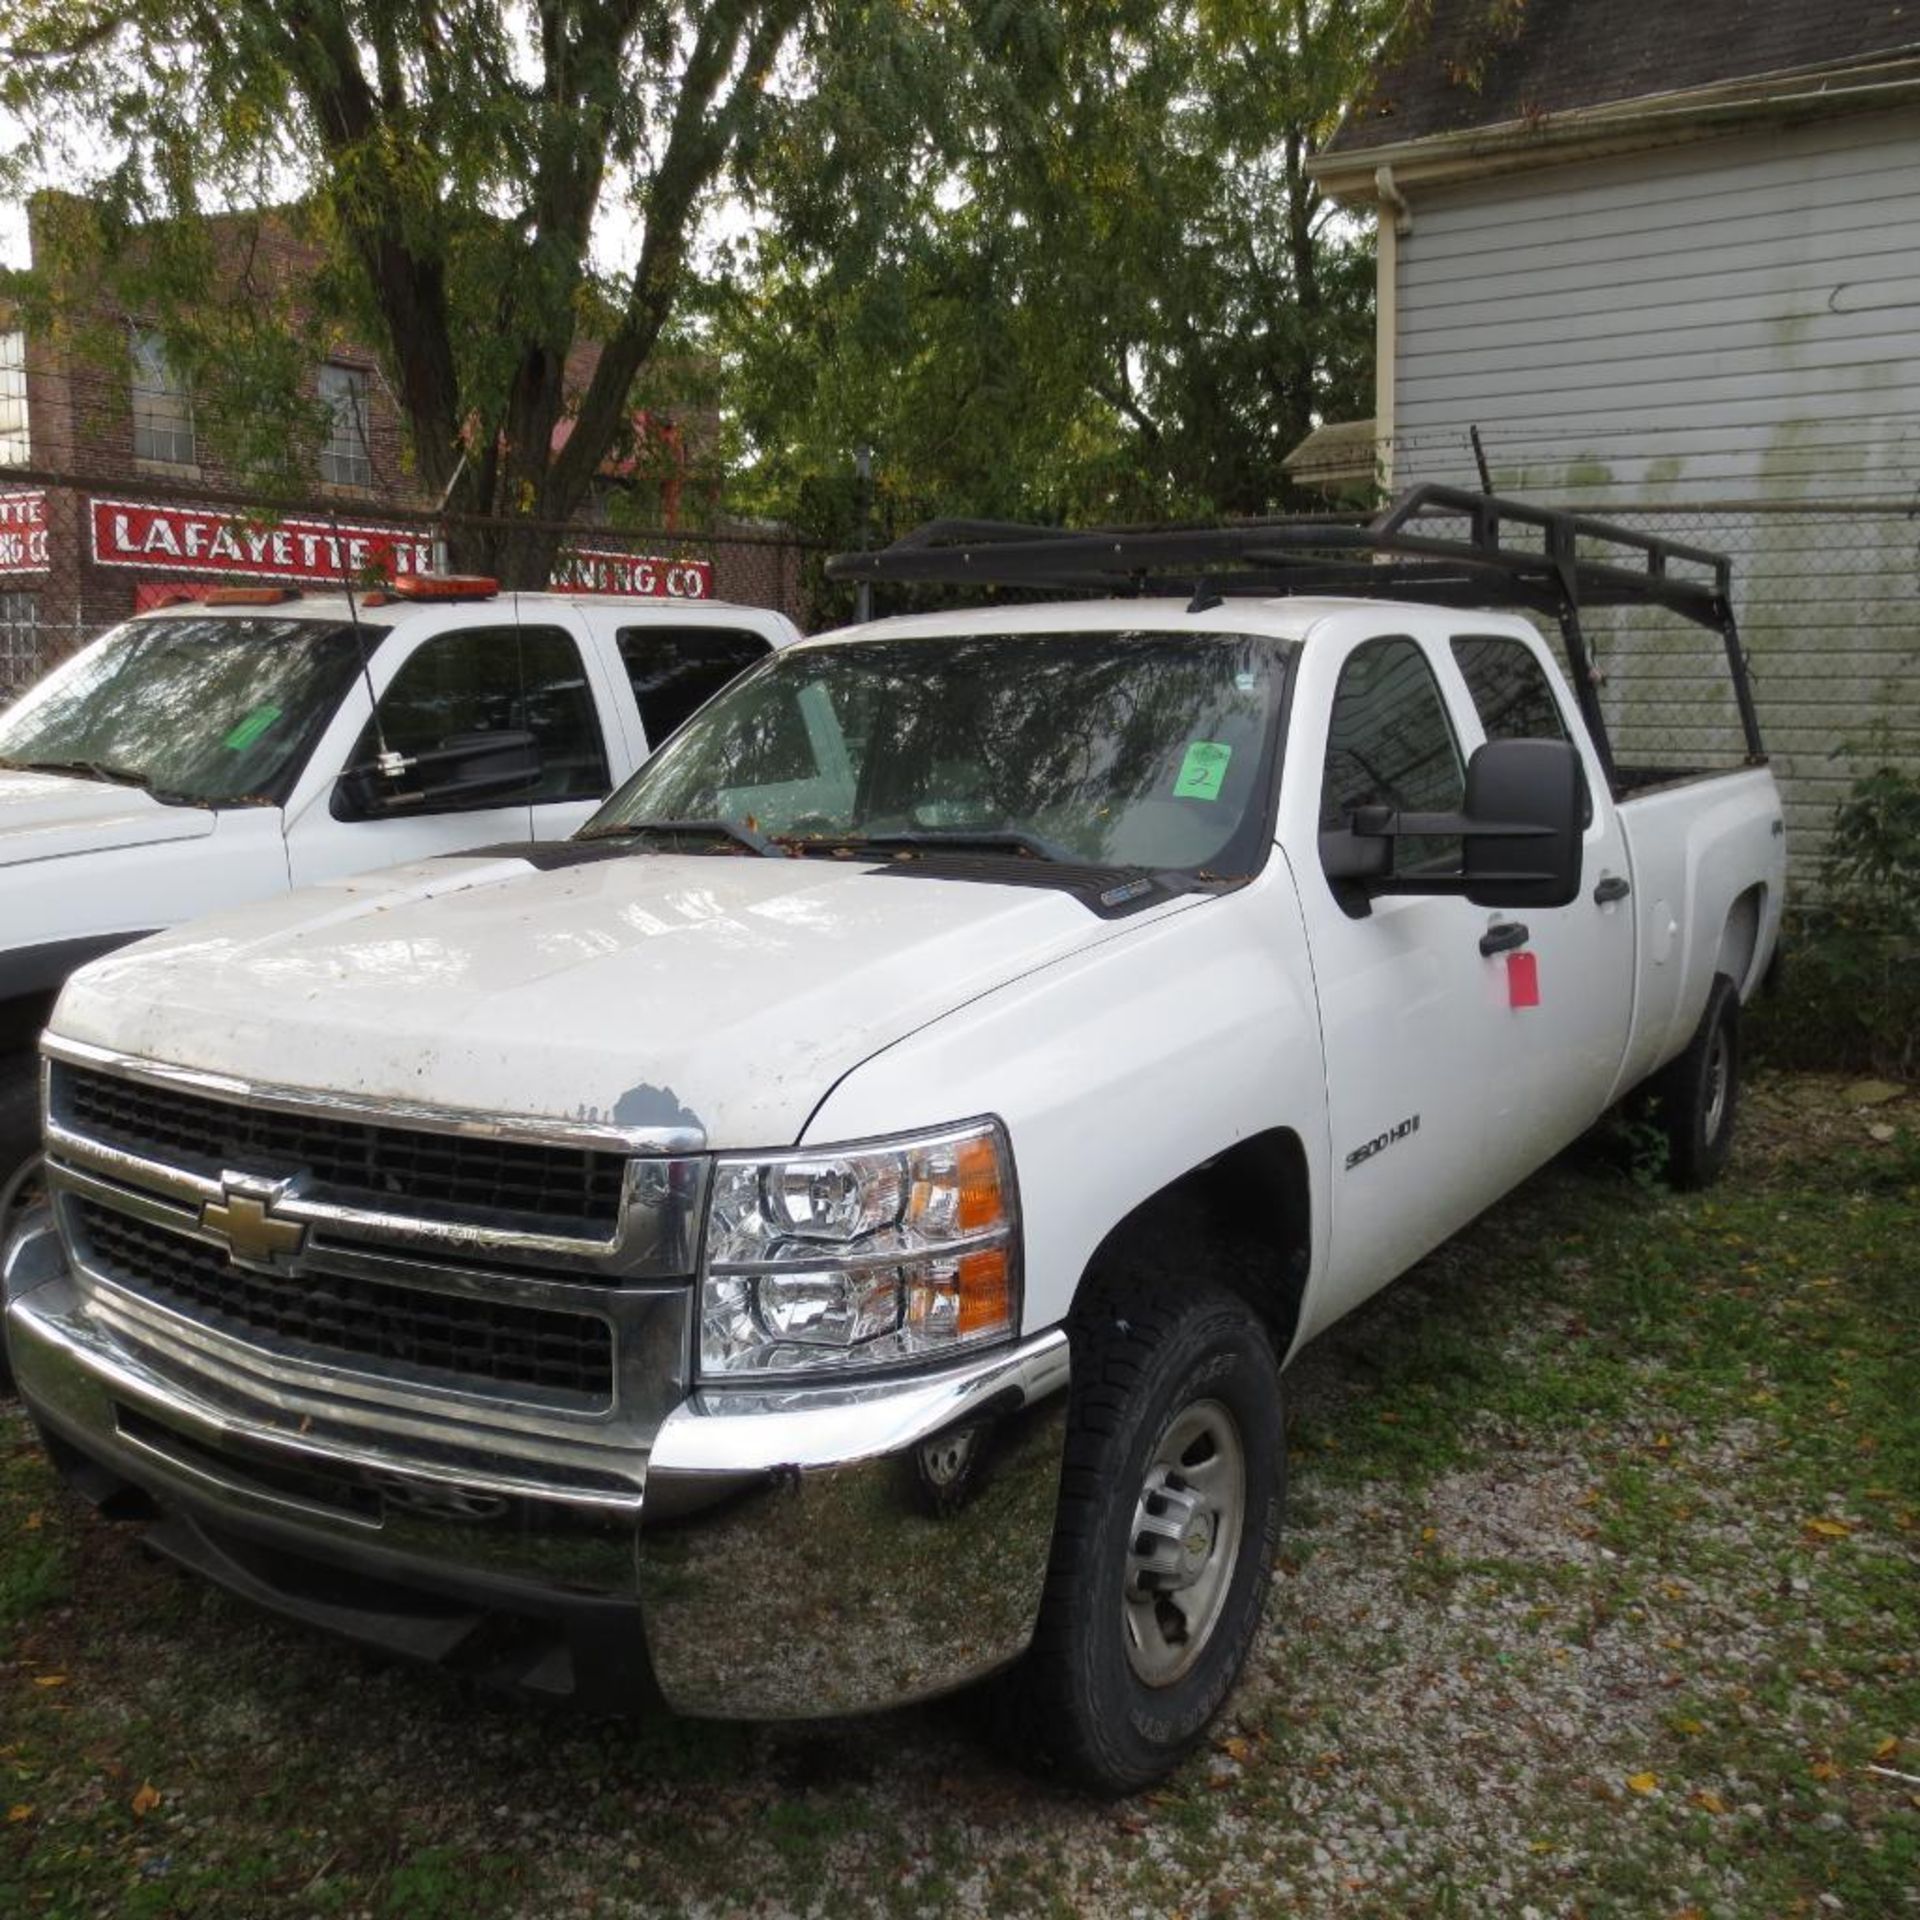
(1349, 856)
(1535, 786)
(1520, 831)
(466, 770)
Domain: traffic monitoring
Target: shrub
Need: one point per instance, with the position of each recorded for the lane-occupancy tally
(1851, 992)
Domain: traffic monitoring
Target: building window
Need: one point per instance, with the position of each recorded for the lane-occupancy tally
(16, 449)
(346, 458)
(162, 406)
(19, 642)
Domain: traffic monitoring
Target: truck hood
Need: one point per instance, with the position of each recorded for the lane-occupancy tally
(45, 815)
(715, 993)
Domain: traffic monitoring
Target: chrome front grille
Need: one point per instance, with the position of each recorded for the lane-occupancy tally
(296, 1255)
(354, 1162)
(320, 1314)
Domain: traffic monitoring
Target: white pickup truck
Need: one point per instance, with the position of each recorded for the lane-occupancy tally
(223, 750)
(832, 1230)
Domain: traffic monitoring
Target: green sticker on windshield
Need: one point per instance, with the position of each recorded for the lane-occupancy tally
(251, 728)
(1202, 770)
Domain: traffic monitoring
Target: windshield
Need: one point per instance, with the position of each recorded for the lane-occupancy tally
(1130, 749)
(196, 708)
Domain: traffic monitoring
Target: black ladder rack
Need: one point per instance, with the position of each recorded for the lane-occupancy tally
(1559, 563)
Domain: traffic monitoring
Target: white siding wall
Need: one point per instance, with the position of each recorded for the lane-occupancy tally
(1726, 321)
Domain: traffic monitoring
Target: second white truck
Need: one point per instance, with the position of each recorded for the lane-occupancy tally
(832, 1230)
(259, 739)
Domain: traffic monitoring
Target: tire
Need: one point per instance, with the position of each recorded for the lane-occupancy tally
(19, 1142)
(1121, 1681)
(19, 1114)
(1699, 1094)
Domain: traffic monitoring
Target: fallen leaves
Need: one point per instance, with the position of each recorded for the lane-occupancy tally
(1644, 1782)
(16, 1814)
(145, 1800)
(1827, 1528)
(1707, 1801)
(49, 1679)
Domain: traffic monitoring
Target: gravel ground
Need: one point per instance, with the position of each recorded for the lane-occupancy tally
(1599, 1596)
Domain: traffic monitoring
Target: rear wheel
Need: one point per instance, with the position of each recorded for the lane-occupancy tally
(1699, 1093)
(1169, 1519)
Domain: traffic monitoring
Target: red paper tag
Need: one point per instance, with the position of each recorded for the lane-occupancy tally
(1523, 980)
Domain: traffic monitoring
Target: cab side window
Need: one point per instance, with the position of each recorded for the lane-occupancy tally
(1512, 695)
(1391, 744)
(1509, 688)
(459, 687)
(674, 670)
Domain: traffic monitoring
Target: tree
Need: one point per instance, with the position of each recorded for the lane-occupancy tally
(1096, 281)
(462, 161)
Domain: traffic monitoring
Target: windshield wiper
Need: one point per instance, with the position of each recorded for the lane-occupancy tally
(722, 829)
(959, 840)
(90, 769)
(113, 775)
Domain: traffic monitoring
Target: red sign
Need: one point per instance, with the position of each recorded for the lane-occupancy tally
(203, 540)
(23, 533)
(632, 576)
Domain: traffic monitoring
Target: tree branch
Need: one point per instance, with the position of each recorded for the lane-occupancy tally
(697, 145)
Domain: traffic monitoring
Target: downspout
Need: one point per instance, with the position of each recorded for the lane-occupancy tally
(1393, 218)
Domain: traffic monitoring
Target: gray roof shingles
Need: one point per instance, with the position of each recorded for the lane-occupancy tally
(1460, 64)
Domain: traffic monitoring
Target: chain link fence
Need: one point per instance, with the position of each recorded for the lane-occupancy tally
(1828, 597)
(1828, 602)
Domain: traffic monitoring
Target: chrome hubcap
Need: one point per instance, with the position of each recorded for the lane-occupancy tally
(1185, 1540)
(1719, 1073)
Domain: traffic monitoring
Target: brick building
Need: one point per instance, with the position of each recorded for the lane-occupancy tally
(119, 497)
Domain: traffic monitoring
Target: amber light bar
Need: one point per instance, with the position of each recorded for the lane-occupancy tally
(443, 586)
(248, 596)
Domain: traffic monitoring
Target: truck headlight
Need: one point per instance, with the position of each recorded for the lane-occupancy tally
(860, 1256)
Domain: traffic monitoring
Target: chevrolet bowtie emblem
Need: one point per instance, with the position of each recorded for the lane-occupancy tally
(247, 1223)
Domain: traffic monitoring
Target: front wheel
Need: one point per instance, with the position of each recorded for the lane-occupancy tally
(1699, 1093)
(1169, 1519)
(19, 1125)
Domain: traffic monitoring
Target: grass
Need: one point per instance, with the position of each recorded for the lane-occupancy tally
(1601, 1596)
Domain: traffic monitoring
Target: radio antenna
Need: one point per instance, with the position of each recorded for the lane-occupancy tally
(392, 765)
(1480, 459)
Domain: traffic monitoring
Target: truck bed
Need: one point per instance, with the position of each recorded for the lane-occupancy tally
(1694, 842)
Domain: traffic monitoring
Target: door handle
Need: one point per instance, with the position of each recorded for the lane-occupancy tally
(1503, 936)
(1613, 886)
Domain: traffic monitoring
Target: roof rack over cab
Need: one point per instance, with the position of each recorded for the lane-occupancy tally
(1511, 553)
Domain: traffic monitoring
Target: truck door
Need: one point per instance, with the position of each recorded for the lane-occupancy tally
(457, 685)
(1569, 1047)
(1414, 1020)
(572, 713)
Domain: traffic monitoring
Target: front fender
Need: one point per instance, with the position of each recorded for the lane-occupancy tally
(1118, 1070)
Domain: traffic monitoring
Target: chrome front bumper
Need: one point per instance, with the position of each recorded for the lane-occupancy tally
(758, 1555)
